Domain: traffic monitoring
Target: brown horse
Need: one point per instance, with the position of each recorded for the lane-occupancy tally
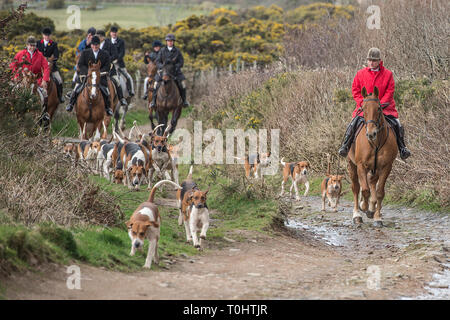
(370, 159)
(52, 92)
(151, 73)
(90, 107)
(168, 99)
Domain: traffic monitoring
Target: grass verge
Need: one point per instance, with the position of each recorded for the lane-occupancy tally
(109, 247)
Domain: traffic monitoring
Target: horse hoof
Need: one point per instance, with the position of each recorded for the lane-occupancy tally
(370, 214)
(378, 224)
(357, 220)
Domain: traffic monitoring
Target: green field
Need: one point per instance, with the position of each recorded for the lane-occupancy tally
(125, 15)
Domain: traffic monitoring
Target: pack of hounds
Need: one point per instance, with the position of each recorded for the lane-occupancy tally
(139, 161)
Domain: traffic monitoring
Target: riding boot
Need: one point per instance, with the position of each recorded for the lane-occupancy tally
(153, 103)
(400, 132)
(182, 93)
(73, 97)
(106, 100)
(349, 136)
(119, 92)
(145, 96)
(59, 88)
(129, 84)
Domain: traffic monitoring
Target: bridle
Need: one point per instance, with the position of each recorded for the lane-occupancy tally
(378, 126)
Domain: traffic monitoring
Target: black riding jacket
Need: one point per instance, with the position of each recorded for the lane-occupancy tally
(51, 49)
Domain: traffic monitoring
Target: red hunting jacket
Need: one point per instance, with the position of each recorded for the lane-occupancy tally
(382, 79)
(38, 65)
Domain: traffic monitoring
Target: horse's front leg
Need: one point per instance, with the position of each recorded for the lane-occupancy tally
(353, 172)
(365, 192)
(377, 220)
(373, 194)
(175, 116)
(122, 119)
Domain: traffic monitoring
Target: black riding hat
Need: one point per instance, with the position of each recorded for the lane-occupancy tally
(47, 31)
(114, 29)
(170, 36)
(157, 43)
(95, 40)
(91, 31)
(101, 33)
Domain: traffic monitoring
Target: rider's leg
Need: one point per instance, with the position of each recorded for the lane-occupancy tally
(145, 96)
(400, 133)
(130, 85)
(59, 85)
(116, 82)
(105, 93)
(73, 97)
(349, 136)
(156, 87)
(182, 87)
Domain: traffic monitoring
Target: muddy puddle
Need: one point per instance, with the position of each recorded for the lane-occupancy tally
(406, 233)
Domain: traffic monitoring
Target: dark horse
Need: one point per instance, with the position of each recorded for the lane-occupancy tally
(168, 99)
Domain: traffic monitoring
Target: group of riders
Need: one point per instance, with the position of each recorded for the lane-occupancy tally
(110, 52)
(94, 48)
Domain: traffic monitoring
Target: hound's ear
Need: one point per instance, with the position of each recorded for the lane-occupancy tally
(341, 177)
(129, 224)
(376, 92)
(206, 192)
(364, 92)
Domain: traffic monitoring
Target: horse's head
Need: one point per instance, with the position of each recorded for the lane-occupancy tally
(168, 72)
(93, 78)
(373, 113)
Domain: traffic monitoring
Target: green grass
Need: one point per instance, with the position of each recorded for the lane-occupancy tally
(109, 247)
(125, 15)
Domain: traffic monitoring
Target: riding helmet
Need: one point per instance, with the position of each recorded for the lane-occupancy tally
(114, 29)
(374, 54)
(91, 31)
(95, 40)
(31, 40)
(47, 31)
(101, 33)
(157, 43)
(170, 36)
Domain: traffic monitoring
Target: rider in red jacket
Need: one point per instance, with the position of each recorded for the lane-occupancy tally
(33, 60)
(375, 75)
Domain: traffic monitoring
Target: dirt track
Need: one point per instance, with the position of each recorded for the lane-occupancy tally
(323, 258)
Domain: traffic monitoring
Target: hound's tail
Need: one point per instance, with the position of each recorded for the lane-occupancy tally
(189, 176)
(282, 162)
(151, 198)
(329, 164)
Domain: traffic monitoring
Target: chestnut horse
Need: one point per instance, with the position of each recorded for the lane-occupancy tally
(90, 107)
(52, 92)
(370, 159)
(168, 99)
(151, 73)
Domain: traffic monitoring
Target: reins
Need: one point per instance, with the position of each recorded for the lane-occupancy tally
(379, 128)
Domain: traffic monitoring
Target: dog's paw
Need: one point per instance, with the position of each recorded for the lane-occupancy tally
(146, 266)
(203, 237)
(197, 246)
